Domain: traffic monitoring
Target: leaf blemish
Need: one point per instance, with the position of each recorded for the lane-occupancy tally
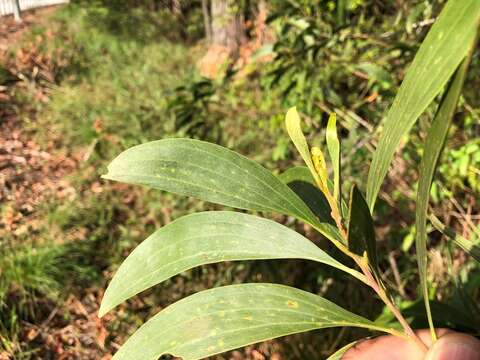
(292, 304)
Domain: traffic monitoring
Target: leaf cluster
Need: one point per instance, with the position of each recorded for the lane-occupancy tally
(228, 317)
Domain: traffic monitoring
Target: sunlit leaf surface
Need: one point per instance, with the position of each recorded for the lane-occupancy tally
(333, 145)
(204, 238)
(212, 173)
(433, 147)
(294, 129)
(209, 172)
(225, 318)
(444, 48)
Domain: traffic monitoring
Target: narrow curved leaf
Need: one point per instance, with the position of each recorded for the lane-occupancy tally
(209, 172)
(471, 247)
(320, 166)
(205, 238)
(294, 129)
(446, 45)
(212, 173)
(338, 355)
(433, 148)
(333, 145)
(226, 318)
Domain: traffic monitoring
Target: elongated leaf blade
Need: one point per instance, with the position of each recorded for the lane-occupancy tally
(205, 238)
(338, 355)
(433, 148)
(212, 173)
(471, 247)
(294, 129)
(226, 318)
(333, 145)
(209, 172)
(320, 166)
(361, 230)
(446, 45)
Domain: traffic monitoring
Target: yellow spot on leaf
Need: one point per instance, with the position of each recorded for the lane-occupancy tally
(292, 304)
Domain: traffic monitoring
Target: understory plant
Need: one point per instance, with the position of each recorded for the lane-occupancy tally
(229, 317)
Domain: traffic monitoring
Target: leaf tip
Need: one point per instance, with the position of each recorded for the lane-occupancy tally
(103, 310)
(292, 114)
(332, 119)
(108, 176)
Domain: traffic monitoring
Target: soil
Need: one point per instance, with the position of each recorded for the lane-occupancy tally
(31, 174)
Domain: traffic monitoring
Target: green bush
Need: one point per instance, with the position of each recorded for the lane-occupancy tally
(225, 318)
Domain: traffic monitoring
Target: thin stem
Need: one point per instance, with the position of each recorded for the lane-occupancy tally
(395, 311)
(371, 281)
(390, 331)
(375, 285)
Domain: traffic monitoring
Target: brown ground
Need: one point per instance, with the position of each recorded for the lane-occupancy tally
(32, 173)
(29, 175)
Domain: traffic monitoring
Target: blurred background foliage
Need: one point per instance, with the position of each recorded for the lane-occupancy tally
(89, 79)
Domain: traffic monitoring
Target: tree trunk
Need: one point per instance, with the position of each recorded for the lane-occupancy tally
(177, 8)
(228, 25)
(225, 30)
(207, 20)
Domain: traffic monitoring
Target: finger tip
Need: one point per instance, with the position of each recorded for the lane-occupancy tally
(455, 346)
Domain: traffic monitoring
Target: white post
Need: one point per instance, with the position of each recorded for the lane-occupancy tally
(16, 10)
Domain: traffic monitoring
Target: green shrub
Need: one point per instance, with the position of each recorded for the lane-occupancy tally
(221, 319)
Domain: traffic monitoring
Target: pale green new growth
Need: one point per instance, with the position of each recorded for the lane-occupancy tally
(320, 166)
(292, 122)
(333, 145)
